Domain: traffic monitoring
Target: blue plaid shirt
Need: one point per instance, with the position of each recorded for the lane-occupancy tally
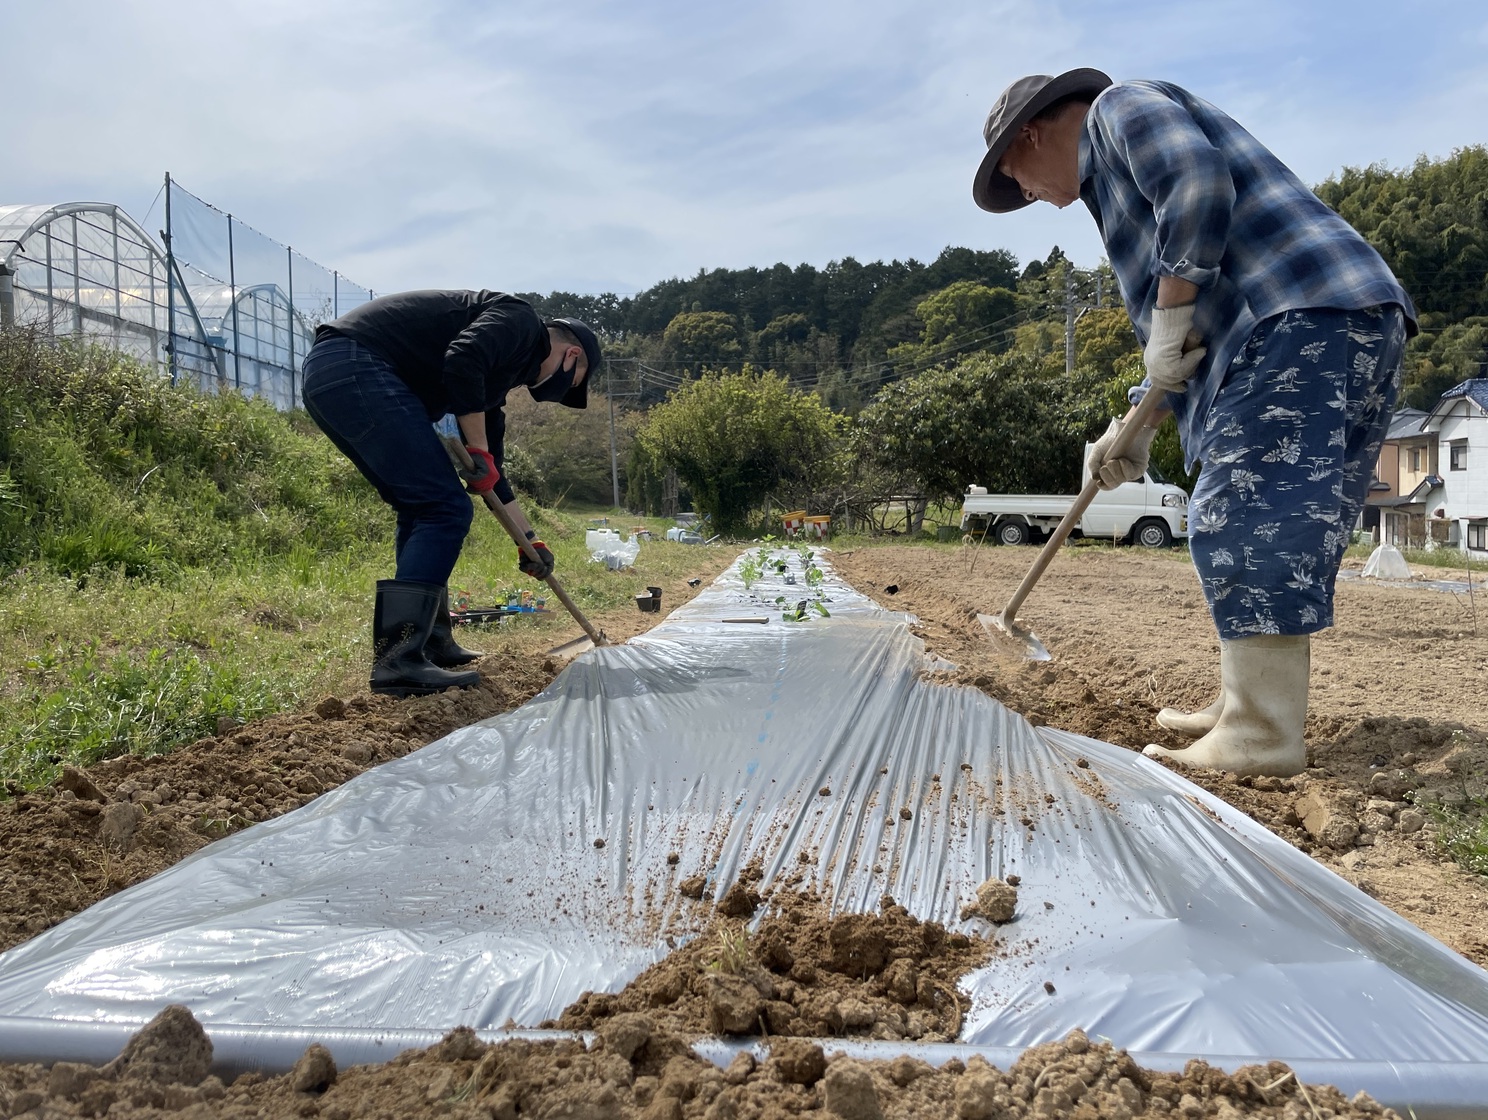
(1179, 189)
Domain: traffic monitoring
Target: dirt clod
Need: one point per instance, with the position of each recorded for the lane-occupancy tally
(76, 782)
(849, 1091)
(884, 975)
(315, 1072)
(171, 1049)
(996, 901)
(734, 1004)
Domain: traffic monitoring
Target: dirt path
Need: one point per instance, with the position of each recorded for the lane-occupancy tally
(1397, 714)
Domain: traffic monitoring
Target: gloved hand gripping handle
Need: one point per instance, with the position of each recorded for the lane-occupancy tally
(1131, 424)
(461, 459)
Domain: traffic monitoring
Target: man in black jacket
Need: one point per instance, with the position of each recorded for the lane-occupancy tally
(375, 380)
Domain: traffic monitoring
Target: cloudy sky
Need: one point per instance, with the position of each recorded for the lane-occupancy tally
(591, 146)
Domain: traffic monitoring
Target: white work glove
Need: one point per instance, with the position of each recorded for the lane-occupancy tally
(1173, 349)
(1111, 473)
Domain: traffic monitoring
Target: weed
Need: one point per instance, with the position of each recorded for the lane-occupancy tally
(1463, 833)
(99, 708)
(734, 956)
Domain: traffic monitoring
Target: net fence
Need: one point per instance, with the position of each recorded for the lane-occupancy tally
(212, 301)
(259, 301)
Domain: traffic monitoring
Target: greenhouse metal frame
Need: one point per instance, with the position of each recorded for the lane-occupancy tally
(89, 272)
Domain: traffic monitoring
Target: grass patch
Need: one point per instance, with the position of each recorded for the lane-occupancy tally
(1462, 833)
(1423, 558)
(112, 664)
(169, 558)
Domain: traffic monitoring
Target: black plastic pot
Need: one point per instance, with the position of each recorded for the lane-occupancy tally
(650, 602)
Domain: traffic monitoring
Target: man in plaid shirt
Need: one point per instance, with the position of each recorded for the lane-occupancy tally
(1276, 332)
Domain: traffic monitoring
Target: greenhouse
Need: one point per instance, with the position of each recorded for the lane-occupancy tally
(213, 303)
(89, 271)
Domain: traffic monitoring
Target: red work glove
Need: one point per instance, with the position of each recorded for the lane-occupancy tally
(484, 477)
(536, 571)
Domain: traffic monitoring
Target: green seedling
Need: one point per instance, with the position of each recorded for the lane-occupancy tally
(750, 570)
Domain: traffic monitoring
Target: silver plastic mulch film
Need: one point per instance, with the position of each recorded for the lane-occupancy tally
(497, 874)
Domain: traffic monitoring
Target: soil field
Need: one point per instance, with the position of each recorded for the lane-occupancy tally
(1397, 715)
(1397, 720)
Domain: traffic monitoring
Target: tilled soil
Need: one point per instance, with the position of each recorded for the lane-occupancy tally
(1396, 722)
(803, 972)
(1397, 715)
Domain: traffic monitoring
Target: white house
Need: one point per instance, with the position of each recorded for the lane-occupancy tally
(1456, 508)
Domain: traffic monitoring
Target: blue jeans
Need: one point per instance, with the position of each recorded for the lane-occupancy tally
(1289, 446)
(381, 426)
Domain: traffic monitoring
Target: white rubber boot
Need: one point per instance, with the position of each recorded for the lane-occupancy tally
(1263, 686)
(1193, 724)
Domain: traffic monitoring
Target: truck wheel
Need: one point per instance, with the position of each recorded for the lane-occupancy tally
(1152, 534)
(1013, 532)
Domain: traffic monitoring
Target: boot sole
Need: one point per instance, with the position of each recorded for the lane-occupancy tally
(402, 691)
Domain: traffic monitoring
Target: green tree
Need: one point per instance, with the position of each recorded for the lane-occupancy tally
(998, 421)
(696, 340)
(736, 438)
(1430, 223)
(568, 448)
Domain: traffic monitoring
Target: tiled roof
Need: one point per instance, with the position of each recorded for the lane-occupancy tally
(1474, 389)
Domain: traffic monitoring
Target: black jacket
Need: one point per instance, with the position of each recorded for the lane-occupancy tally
(459, 351)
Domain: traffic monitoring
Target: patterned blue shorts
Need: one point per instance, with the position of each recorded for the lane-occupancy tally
(1289, 446)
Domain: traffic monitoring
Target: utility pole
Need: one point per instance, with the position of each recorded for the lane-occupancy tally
(614, 458)
(1069, 317)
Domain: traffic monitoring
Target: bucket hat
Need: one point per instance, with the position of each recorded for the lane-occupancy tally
(1020, 103)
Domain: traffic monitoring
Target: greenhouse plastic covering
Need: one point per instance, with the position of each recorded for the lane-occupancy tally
(495, 875)
(1386, 562)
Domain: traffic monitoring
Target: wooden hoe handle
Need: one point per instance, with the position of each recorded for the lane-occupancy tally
(460, 457)
(1131, 424)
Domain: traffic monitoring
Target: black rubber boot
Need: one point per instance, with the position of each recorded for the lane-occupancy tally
(441, 648)
(401, 622)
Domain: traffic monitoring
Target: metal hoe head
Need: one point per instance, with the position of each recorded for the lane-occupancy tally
(1015, 640)
(569, 650)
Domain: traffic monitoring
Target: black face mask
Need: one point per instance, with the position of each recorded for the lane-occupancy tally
(555, 387)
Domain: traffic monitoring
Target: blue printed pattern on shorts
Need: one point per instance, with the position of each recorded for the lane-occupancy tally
(1289, 447)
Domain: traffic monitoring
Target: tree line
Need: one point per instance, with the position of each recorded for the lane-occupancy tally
(856, 381)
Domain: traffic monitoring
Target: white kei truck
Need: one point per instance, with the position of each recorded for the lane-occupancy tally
(1151, 512)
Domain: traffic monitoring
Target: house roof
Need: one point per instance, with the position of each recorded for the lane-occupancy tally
(1474, 389)
(1416, 497)
(1405, 423)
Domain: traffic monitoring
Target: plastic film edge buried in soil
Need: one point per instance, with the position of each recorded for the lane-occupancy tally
(500, 872)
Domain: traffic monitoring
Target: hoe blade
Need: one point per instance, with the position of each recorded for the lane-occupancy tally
(1012, 639)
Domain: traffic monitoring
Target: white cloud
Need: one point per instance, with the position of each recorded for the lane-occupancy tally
(599, 146)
